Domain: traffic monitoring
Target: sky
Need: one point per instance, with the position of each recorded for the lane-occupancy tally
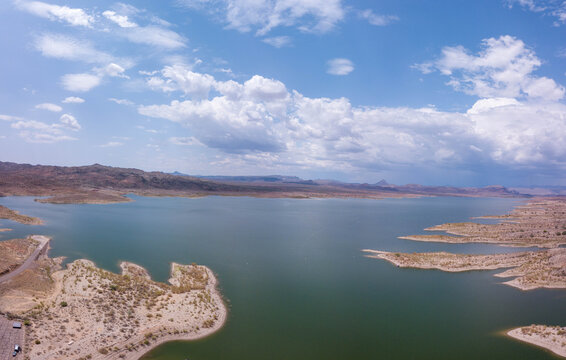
(436, 92)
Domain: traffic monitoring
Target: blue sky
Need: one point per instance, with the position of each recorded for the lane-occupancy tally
(432, 92)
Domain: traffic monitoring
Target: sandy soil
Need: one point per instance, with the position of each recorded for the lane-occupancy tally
(9, 214)
(540, 223)
(552, 338)
(544, 220)
(86, 197)
(14, 252)
(530, 270)
(92, 313)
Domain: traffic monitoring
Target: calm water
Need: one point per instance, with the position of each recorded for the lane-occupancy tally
(295, 281)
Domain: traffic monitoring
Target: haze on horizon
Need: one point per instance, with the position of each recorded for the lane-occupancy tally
(435, 92)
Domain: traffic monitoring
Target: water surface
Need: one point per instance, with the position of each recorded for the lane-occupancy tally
(295, 281)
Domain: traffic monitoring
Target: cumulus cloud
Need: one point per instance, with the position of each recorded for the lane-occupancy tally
(40, 132)
(69, 48)
(340, 66)
(278, 41)
(49, 107)
(181, 78)
(377, 19)
(262, 16)
(70, 122)
(260, 122)
(73, 100)
(112, 70)
(503, 68)
(82, 82)
(72, 16)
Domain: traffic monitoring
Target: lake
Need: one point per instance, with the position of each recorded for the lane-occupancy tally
(295, 281)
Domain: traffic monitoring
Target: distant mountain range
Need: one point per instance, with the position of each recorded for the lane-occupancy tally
(100, 184)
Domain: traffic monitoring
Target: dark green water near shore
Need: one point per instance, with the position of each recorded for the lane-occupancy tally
(295, 281)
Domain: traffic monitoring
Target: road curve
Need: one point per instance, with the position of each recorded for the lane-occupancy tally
(41, 249)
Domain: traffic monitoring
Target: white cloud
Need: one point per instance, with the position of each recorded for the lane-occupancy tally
(262, 16)
(73, 100)
(69, 48)
(112, 70)
(39, 132)
(377, 19)
(111, 144)
(259, 122)
(121, 101)
(80, 82)
(72, 16)
(503, 68)
(555, 8)
(49, 107)
(278, 41)
(70, 122)
(155, 36)
(184, 141)
(180, 78)
(484, 105)
(9, 117)
(121, 20)
(340, 66)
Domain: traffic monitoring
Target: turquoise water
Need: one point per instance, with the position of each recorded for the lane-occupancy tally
(295, 281)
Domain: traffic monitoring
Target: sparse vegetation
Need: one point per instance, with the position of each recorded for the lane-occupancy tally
(110, 312)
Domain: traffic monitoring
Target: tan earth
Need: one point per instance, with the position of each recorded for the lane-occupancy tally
(552, 338)
(83, 312)
(10, 214)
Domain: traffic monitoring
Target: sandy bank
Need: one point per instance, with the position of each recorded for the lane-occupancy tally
(552, 338)
(529, 270)
(10, 214)
(86, 312)
(539, 223)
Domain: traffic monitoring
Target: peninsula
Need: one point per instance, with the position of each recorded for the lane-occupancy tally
(85, 312)
(10, 214)
(540, 223)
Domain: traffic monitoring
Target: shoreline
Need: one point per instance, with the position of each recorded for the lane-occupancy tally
(85, 311)
(9, 214)
(551, 338)
(218, 325)
(540, 223)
